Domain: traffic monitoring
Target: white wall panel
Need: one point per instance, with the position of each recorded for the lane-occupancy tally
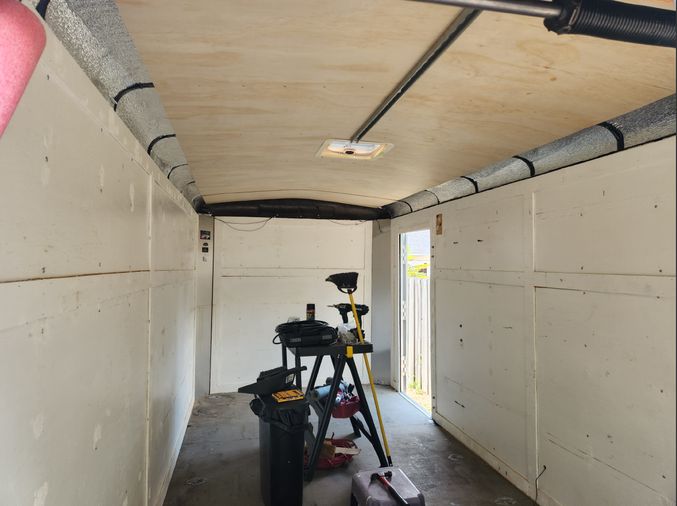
(483, 383)
(60, 164)
(381, 304)
(632, 209)
(245, 317)
(481, 236)
(251, 300)
(173, 229)
(73, 365)
(606, 397)
(171, 382)
(204, 267)
(172, 373)
(301, 244)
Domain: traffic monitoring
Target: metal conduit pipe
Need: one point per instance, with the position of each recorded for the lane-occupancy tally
(606, 19)
(450, 34)
(535, 8)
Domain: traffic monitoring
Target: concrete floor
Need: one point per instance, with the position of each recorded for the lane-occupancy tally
(219, 462)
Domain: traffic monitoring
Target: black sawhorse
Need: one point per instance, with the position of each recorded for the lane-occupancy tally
(340, 355)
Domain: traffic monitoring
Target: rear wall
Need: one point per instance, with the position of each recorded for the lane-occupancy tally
(97, 302)
(554, 328)
(266, 272)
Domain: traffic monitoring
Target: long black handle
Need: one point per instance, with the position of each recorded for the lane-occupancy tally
(391, 490)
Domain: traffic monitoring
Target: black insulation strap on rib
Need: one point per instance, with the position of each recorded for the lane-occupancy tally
(132, 87)
(175, 167)
(615, 131)
(158, 139)
(530, 164)
(42, 8)
(474, 183)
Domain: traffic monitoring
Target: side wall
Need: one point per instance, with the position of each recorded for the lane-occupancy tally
(97, 290)
(267, 271)
(554, 328)
(381, 303)
(205, 282)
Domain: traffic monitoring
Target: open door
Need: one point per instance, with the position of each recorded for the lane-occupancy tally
(414, 326)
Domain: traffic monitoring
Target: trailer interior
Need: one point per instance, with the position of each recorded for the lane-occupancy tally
(467, 208)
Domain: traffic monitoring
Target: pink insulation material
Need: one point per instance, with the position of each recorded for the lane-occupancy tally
(22, 39)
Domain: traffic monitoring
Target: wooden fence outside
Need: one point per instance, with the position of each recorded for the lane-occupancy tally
(417, 335)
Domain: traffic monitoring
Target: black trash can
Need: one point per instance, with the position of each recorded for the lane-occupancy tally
(281, 440)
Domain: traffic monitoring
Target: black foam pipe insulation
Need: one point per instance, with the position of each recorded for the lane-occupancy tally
(297, 208)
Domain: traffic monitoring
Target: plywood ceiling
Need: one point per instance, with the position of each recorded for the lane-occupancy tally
(253, 88)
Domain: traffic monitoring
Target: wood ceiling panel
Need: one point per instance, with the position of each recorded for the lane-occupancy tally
(253, 88)
(507, 85)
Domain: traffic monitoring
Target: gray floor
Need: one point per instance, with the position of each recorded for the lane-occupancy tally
(219, 463)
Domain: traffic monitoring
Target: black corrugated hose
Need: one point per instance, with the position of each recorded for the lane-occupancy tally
(609, 19)
(300, 328)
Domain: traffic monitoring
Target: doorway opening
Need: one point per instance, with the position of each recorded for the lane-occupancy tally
(414, 306)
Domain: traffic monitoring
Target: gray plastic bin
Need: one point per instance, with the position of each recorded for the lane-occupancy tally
(368, 493)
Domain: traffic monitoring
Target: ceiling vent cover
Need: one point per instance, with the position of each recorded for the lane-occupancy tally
(339, 148)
